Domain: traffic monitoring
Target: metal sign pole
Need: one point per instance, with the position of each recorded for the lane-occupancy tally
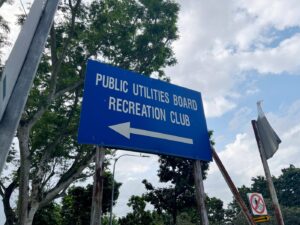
(232, 187)
(199, 191)
(274, 198)
(96, 210)
(18, 98)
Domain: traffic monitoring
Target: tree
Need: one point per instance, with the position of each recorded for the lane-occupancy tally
(291, 215)
(132, 34)
(288, 186)
(76, 205)
(181, 193)
(49, 215)
(215, 210)
(140, 216)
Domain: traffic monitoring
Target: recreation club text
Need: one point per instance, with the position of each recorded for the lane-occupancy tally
(146, 110)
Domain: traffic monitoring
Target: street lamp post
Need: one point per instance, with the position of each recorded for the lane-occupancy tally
(113, 182)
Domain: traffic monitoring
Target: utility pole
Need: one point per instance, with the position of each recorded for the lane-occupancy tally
(96, 211)
(232, 187)
(16, 84)
(274, 198)
(199, 191)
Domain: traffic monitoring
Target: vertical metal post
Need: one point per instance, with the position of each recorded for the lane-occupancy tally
(199, 191)
(96, 211)
(18, 98)
(232, 187)
(274, 198)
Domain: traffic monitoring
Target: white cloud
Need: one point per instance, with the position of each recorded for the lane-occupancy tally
(280, 14)
(217, 106)
(219, 41)
(241, 116)
(283, 58)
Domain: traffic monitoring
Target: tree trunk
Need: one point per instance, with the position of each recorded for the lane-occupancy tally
(23, 205)
(174, 217)
(11, 218)
(30, 215)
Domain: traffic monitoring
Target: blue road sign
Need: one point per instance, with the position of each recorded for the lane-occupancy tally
(125, 110)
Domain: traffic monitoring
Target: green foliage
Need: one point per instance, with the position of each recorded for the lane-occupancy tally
(136, 34)
(215, 211)
(132, 34)
(178, 196)
(288, 186)
(140, 216)
(291, 215)
(76, 205)
(49, 215)
(105, 220)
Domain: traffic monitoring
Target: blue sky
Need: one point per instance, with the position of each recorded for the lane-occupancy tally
(235, 52)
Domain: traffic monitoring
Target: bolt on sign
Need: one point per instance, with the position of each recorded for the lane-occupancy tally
(126, 110)
(257, 204)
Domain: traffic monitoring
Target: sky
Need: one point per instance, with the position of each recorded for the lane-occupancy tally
(235, 52)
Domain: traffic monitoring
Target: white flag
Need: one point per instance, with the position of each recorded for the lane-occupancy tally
(268, 137)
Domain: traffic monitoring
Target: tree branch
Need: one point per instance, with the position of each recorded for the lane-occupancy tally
(2, 189)
(53, 45)
(68, 89)
(38, 182)
(67, 178)
(56, 65)
(52, 173)
(9, 213)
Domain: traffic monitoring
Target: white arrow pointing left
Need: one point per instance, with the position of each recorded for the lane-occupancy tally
(125, 130)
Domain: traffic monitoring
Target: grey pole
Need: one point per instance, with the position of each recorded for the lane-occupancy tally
(199, 191)
(96, 211)
(113, 182)
(18, 98)
(274, 198)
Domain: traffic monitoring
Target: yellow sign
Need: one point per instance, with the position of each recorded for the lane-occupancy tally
(262, 219)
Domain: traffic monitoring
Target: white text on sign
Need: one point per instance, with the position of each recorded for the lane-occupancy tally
(146, 110)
